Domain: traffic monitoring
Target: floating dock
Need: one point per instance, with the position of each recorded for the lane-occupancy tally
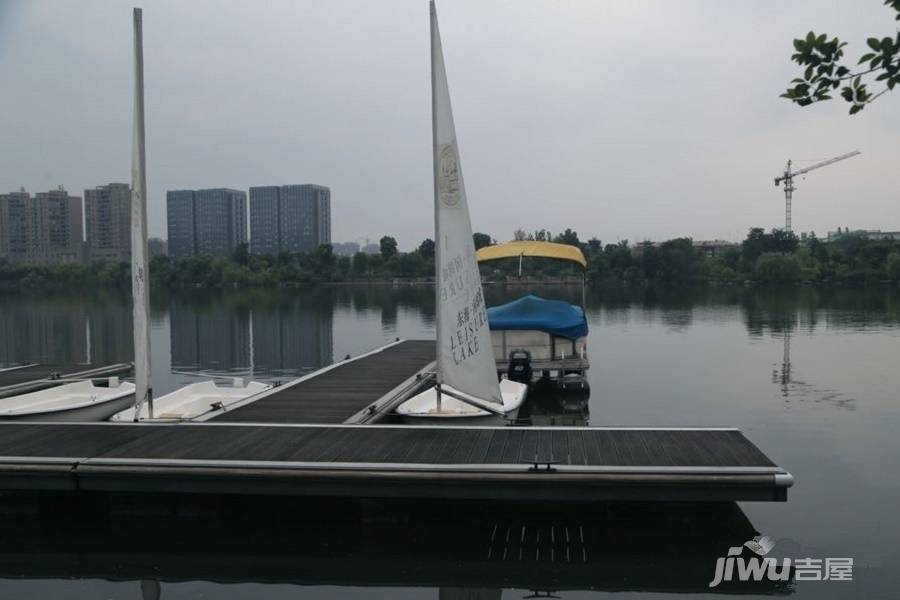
(320, 436)
(357, 390)
(25, 378)
(391, 461)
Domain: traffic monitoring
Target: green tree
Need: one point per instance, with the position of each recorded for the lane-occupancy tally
(361, 263)
(679, 261)
(342, 266)
(426, 248)
(774, 267)
(321, 261)
(649, 259)
(568, 237)
(388, 246)
(821, 59)
(540, 235)
(892, 265)
(481, 240)
(618, 258)
(409, 264)
(758, 242)
(241, 254)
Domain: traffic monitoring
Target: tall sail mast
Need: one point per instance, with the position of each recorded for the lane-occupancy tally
(432, 21)
(139, 266)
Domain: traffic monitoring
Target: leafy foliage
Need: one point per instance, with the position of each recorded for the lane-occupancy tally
(388, 247)
(823, 71)
(481, 240)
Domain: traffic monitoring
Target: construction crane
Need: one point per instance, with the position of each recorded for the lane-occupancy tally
(788, 178)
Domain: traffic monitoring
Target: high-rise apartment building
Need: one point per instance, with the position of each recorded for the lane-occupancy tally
(220, 220)
(59, 226)
(289, 218)
(16, 227)
(265, 220)
(107, 216)
(44, 229)
(180, 223)
(211, 221)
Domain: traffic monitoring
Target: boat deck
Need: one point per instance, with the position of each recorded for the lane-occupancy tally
(32, 377)
(557, 463)
(340, 393)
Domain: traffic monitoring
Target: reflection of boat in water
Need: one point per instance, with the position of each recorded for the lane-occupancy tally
(77, 401)
(195, 400)
(466, 385)
(548, 408)
(533, 336)
(608, 547)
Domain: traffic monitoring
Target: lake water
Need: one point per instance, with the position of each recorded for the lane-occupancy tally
(811, 376)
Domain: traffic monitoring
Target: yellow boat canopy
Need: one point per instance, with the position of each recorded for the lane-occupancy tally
(532, 248)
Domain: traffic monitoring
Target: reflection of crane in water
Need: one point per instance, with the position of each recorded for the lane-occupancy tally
(801, 389)
(784, 378)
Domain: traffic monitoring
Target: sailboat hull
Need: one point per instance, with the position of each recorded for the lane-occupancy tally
(421, 409)
(192, 401)
(72, 402)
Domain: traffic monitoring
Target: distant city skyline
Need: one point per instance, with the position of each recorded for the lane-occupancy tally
(621, 120)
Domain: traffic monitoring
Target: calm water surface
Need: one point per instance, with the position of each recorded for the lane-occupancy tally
(811, 376)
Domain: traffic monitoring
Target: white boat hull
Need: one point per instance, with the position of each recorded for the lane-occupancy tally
(192, 401)
(421, 409)
(80, 401)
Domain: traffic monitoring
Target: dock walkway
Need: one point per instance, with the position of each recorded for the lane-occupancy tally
(526, 463)
(340, 393)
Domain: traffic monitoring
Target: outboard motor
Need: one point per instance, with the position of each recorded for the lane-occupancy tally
(520, 366)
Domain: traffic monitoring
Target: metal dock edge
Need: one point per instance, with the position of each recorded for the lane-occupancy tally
(510, 463)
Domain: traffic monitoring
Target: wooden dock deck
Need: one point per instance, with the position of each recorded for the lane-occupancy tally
(391, 461)
(32, 377)
(349, 391)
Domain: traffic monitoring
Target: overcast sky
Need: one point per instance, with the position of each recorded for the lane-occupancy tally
(623, 120)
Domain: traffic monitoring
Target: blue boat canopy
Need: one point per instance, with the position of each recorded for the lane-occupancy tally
(534, 313)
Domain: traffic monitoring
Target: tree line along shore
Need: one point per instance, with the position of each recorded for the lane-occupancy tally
(776, 257)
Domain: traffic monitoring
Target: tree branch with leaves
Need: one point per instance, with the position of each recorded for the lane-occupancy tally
(824, 72)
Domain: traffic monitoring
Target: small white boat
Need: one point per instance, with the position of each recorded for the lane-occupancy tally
(193, 400)
(466, 390)
(77, 401)
(422, 409)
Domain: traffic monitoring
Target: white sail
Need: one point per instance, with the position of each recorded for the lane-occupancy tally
(139, 270)
(465, 359)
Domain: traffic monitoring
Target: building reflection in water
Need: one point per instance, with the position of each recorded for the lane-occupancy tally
(463, 549)
(212, 339)
(63, 332)
(292, 339)
(283, 339)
